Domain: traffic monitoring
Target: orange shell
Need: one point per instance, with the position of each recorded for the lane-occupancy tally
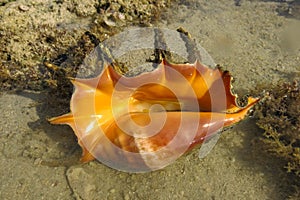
(122, 122)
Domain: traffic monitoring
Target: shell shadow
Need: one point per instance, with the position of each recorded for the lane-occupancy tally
(60, 141)
(62, 147)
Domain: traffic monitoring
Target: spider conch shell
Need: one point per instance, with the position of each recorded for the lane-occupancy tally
(145, 122)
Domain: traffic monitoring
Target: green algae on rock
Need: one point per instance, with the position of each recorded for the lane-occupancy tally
(63, 34)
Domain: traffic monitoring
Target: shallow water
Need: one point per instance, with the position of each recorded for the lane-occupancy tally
(249, 40)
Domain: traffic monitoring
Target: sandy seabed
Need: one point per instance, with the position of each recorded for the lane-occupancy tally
(251, 39)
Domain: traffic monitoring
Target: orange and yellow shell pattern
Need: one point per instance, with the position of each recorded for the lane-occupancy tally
(145, 122)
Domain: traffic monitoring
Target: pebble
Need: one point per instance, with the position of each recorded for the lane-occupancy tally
(126, 197)
(112, 190)
(23, 7)
(232, 159)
